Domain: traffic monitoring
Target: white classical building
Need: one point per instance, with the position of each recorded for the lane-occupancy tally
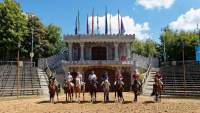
(99, 53)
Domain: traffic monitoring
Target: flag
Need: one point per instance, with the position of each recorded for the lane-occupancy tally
(110, 26)
(76, 28)
(119, 23)
(97, 24)
(106, 23)
(87, 25)
(122, 27)
(93, 21)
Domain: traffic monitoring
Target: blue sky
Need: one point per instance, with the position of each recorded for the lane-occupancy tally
(148, 17)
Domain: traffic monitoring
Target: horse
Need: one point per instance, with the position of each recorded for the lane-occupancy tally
(52, 90)
(93, 90)
(79, 88)
(119, 90)
(136, 87)
(68, 89)
(106, 89)
(158, 88)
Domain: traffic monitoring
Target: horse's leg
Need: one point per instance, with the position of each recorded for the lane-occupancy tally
(83, 95)
(95, 94)
(135, 97)
(122, 97)
(49, 97)
(66, 96)
(75, 91)
(57, 96)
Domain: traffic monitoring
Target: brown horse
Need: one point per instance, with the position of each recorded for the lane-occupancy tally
(79, 88)
(52, 90)
(68, 89)
(136, 87)
(158, 88)
(119, 90)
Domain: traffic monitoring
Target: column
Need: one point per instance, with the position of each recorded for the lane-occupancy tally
(70, 51)
(82, 51)
(128, 50)
(116, 51)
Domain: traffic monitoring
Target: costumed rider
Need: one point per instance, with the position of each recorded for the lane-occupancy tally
(158, 78)
(105, 76)
(119, 77)
(69, 78)
(80, 76)
(92, 76)
(135, 76)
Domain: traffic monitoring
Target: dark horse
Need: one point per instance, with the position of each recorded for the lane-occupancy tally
(119, 90)
(93, 90)
(68, 89)
(136, 87)
(158, 88)
(52, 90)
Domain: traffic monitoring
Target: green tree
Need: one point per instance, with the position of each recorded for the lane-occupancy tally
(13, 27)
(54, 37)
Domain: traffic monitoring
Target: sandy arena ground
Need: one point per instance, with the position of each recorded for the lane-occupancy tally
(144, 105)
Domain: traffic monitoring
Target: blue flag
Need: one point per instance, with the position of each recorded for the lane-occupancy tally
(106, 23)
(76, 27)
(122, 27)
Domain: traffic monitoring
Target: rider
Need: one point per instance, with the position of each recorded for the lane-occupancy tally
(69, 78)
(159, 78)
(135, 76)
(79, 75)
(119, 77)
(92, 76)
(105, 76)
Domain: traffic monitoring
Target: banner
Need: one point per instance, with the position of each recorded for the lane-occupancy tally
(197, 49)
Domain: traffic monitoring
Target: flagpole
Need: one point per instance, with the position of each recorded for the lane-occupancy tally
(78, 29)
(97, 24)
(119, 23)
(110, 26)
(87, 29)
(93, 21)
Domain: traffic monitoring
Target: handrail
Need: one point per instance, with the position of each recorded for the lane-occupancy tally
(146, 74)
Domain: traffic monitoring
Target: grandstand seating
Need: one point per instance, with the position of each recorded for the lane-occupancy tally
(175, 82)
(29, 81)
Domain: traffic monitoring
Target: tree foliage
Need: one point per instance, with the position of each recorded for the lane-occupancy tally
(175, 42)
(146, 48)
(13, 27)
(19, 27)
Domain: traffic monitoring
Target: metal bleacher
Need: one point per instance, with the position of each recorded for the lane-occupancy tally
(27, 84)
(175, 82)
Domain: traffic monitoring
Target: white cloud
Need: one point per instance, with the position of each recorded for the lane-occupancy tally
(187, 21)
(153, 4)
(131, 27)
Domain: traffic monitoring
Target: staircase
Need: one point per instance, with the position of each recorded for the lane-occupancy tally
(43, 82)
(173, 79)
(148, 85)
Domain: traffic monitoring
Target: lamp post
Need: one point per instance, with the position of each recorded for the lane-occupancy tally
(31, 53)
(164, 48)
(18, 69)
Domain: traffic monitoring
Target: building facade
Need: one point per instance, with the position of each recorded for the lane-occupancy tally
(100, 53)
